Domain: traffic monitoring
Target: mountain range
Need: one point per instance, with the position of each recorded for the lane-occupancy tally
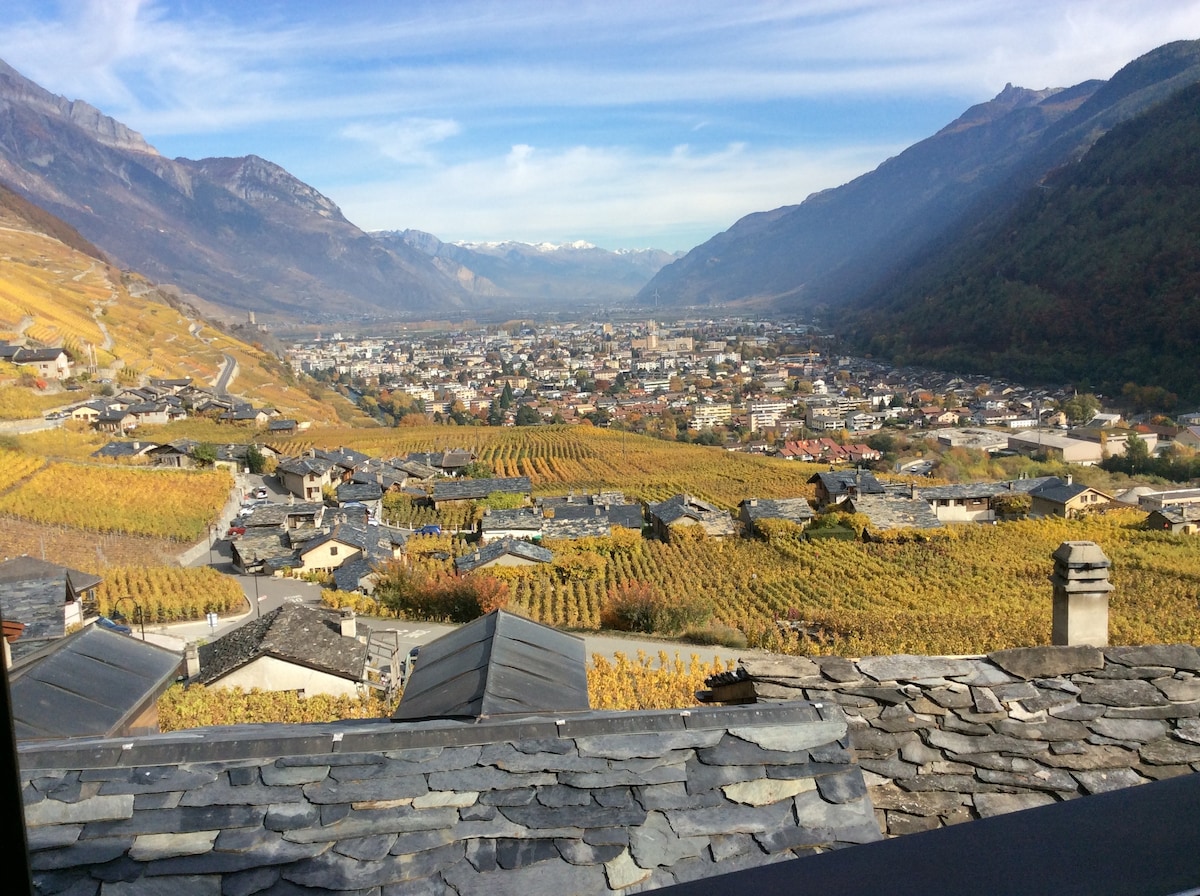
(991, 246)
(243, 234)
(839, 245)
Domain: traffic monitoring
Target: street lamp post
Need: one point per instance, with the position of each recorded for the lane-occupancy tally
(257, 605)
(139, 618)
(212, 538)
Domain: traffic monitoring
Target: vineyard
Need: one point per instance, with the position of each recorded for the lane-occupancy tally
(588, 459)
(985, 588)
(168, 594)
(171, 504)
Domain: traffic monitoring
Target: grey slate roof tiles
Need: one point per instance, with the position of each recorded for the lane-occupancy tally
(500, 664)
(91, 683)
(307, 636)
(497, 549)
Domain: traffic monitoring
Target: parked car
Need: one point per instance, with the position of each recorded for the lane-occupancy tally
(105, 622)
(431, 529)
(235, 532)
(261, 492)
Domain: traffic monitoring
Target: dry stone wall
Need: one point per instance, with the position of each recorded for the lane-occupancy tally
(943, 740)
(590, 803)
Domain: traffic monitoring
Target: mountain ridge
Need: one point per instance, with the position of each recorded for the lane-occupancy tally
(834, 247)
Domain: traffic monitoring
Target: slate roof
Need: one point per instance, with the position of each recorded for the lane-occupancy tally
(1177, 514)
(35, 593)
(277, 515)
(477, 489)
(795, 510)
(588, 520)
(895, 512)
(92, 683)
(500, 664)
(520, 518)
(839, 483)
(305, 466)
(343, 457)
(358, 491)
(1061, 492)
(349, 576)
(680, 507)
(306, 636)
(965, 490)
(497, 549)
(125, 449)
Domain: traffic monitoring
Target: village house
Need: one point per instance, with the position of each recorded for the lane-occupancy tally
(1066, 498)
(1178, 519)
(305, 650)
(505, 552)
(44, 599)
(685, 511)
(752, 511)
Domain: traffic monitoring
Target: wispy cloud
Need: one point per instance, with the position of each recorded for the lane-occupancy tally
(407, 141)
(483, 117)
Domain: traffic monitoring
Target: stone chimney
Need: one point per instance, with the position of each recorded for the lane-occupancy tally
(191, 660)
(1081, 589)
(349, 623)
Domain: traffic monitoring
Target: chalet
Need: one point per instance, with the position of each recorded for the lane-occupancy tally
(49, 363)
(305, 477)
(836, 485)
(521, 522)
(1066, 498)
(116, 420)
(978, 502)
(687, 511)
(595, 517)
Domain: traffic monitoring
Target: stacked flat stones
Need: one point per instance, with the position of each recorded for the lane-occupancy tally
(946, 739)
(589, 803)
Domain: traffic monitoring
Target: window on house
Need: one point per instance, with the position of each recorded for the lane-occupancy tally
(333, 550)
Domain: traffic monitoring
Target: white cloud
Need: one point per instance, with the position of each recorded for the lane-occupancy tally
(469, 108)
(608, 196)
(406, 141)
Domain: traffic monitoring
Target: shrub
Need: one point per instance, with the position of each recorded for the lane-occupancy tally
(725, 635)
(406, 592)
(637, 606)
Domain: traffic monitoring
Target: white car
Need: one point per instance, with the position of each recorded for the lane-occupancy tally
(261, 492)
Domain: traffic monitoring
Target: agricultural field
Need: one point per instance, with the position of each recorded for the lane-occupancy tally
(982, 588)
(169, 594)
(586, 459)
(170, 504)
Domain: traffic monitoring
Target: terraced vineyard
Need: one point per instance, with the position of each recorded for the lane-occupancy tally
(171, 504)
(587, 459)
(984, 589)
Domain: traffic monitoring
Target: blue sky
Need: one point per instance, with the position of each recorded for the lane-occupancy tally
(612, 122)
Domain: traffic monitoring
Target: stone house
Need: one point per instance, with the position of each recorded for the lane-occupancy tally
(307, 650)
(685, 511)
(506, 552)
